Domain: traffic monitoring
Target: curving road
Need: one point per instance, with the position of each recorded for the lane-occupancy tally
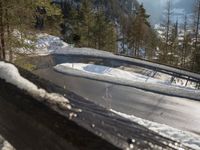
(180, 113)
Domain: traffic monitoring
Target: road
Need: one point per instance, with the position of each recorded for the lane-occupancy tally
(180, 113)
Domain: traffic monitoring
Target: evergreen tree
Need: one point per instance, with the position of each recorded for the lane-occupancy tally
(167, 24)
(152, 42)
(138, 29)
(186, 49)
(89, 27)
(104, 31)
(17, 20)
(196, 45)
(87, 24)
(174, 46)
(70, 26)
(122, 33)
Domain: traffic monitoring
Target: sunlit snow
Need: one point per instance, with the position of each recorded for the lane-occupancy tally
(188, 139)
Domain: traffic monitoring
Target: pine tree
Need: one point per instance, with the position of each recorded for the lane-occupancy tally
(86, 24)
(138, 30)
(151, 45)
(17, 19)
(123, 23)
(196, 46)
(70, 26)
(166, 48)
(104, 31)
(185, 49)
(174, 46)
(91, 27)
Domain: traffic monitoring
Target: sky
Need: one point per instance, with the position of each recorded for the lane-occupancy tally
(155, 8)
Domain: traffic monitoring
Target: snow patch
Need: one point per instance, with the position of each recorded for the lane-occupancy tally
(11, 74)
(186, 138)
(5, 145)
(46, 44)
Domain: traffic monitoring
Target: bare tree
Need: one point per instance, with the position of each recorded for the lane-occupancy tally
(196, 38)
(168, 12)
(2, 35)
(197, 24)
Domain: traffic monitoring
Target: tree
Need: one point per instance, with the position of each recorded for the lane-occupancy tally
(104, 31)
(174, 46)
(89, 27)
(87, 24)
(122, 33)
(71, 25)
(17, 20)
(152, 42)
(186, 46)
(137, 31)
(196, 53)
(167, 25)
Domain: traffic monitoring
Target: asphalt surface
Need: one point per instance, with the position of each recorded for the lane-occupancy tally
(180, 113)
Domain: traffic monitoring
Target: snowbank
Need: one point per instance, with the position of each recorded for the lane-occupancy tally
(186, 138)
(10, 73)
(113, 75)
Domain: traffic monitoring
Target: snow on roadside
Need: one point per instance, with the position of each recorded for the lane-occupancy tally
(186, 138)
(122, 77)
(5, 145)
(11, 74)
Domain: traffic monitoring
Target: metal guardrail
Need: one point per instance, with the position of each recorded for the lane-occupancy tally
(167, 69)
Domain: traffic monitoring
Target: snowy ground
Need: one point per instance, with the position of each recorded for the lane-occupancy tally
(119, 76)
(186, 138)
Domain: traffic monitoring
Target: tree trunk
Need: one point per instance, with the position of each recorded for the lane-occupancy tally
(9, 35)
(1, 17)
(196, 38)
(2, 36)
